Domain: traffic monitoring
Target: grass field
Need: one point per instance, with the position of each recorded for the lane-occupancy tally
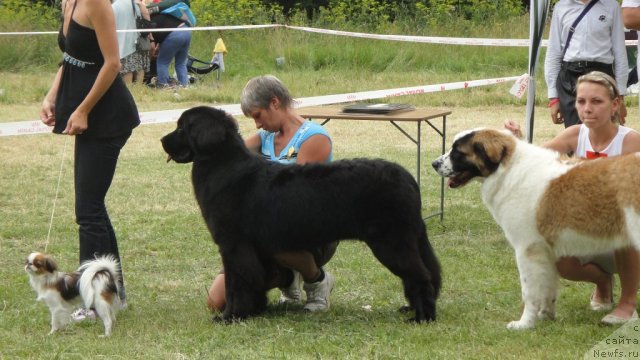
(169, 258)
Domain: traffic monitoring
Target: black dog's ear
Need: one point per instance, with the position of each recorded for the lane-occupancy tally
(210, 127)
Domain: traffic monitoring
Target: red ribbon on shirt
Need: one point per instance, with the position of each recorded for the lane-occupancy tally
(595, 154)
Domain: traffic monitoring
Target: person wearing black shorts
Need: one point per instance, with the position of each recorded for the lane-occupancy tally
(597, 44)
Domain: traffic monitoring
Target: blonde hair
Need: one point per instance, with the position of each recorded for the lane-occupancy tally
(606, 81)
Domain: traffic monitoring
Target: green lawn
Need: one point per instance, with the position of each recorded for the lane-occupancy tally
(169, 258)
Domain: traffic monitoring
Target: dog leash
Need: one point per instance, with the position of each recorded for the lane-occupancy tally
(55, 197)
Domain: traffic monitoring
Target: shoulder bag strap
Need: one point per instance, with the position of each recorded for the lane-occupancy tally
(133, 7)
(572, 29)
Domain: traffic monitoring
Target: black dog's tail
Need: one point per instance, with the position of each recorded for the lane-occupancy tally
(430, 261)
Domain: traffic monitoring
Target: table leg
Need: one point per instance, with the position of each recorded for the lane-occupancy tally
(443, 135)
(419, 155)
(444, 147)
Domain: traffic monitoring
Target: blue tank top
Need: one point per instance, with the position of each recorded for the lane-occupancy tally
(289, 153)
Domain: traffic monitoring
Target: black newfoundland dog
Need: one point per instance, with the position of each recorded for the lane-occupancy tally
(255, 208)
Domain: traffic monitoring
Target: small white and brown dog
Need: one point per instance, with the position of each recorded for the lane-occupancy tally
(548, 206)
(94, 285)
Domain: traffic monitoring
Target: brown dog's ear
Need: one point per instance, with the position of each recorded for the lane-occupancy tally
(493, 147)
(49, 264)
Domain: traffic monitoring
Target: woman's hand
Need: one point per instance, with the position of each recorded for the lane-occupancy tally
(514, 127)
(48, 111)
(77, 124)
(556, 115)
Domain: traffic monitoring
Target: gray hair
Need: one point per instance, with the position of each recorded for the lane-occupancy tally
(259, 92)
(609, 83)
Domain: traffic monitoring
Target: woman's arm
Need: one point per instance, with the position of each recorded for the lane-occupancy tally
(253, 142)
(143, 9)
(566, 142)
(315, 149)
(631, 17)
(619, 50)
(553, 57)
(100, 16)
(631, 143)
(48, 111)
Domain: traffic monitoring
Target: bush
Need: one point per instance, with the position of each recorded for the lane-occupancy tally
(410, 17)
(39, 50)
(239, 12)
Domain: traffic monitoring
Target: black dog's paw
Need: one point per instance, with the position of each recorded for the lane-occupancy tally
(417, 320)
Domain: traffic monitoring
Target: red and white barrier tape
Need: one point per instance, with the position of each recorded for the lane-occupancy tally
(407, 38)
(420, 39)
(202, 28)
(432, 39)
(157, 117)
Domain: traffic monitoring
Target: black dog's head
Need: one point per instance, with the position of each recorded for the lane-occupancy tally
(200, 130)
(475, 153)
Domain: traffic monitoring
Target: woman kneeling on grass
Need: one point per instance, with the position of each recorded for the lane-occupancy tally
(600, 135)
(285, 137)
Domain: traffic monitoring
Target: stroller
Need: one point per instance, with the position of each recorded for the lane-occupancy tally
(195, 66)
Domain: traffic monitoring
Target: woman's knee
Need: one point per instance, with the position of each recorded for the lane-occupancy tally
(216, 299)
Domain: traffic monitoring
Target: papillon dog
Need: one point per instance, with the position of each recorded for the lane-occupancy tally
(95, 285)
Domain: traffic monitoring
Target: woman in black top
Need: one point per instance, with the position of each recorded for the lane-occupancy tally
(89, 100)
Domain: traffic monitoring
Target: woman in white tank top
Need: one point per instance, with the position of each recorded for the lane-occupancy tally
(614, 148)
(600, 135)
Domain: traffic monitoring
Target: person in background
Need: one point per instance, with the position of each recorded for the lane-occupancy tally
(284, 136)
(89, 101)
(631, 20)
(596, 45)
(172, 45)
(600, 135)
(134, 62)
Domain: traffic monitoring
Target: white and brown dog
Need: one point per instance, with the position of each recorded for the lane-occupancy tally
(547, 206)
(94, 285)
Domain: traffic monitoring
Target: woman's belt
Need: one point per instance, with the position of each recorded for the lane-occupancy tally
(577, 65)
(75, 62)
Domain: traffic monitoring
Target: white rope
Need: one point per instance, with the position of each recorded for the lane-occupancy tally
(55, 198)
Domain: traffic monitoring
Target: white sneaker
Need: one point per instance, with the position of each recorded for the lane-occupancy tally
(318, 294)
(83, 314)
(292, 295)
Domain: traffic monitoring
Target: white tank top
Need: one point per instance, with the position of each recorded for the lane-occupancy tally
(584, 149)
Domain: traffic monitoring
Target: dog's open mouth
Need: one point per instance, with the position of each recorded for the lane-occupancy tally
(459, 179)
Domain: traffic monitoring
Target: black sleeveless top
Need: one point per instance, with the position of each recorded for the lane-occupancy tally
(115, 114)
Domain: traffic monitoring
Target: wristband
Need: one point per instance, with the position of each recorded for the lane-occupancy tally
(553, 102)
